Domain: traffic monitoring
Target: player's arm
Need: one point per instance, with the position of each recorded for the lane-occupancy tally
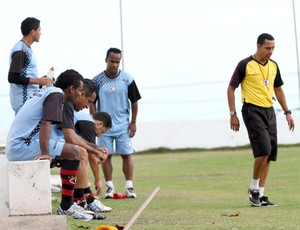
(18, 61)
(134, 96)
(44, 140)
(282, 101)
(16, 78)
(132, 124)
(71, 137)
(92, 108)
(230, 98)
(94, 163)
(234, 121)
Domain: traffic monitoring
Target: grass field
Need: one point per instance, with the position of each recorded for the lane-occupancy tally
(199, 189)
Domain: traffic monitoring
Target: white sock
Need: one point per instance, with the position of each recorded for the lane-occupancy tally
(129, 184)
(254, 184)
(261, 191)
(110, 184)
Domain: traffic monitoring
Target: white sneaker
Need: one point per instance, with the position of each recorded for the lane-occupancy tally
(76, 211)
(130, 193)
(55, 189)
(109, 193)
(97, 206)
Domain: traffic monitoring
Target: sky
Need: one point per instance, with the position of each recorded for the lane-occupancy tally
(181, 53)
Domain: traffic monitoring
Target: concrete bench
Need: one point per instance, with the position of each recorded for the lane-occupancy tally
(24, 188)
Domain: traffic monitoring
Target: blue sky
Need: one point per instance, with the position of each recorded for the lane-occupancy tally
(181, 53)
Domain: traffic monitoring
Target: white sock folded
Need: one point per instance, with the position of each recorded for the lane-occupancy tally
(261, 191)
(110, 184)
(129, 184)
(254, 184)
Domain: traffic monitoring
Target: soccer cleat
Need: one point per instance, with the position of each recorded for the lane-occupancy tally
(97, 206)
(254, 197)
(130, 193)
(264, 200)
(75, 211)
(109, 193)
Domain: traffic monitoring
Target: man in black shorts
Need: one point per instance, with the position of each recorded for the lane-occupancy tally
(260, 78)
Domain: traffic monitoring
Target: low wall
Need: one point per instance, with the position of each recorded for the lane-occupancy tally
(204, 134)
(198, 134)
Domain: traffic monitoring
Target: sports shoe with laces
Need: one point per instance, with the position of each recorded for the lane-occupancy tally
(97, 206)
(254, 197)
(265, 201)
(109, 193)
(130, 193)
(75, 211)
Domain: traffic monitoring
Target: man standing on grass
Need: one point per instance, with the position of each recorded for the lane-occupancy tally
(260, 78)
(23, 75)
(118, 96)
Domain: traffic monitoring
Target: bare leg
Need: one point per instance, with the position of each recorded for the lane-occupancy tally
(264, 174)
(107, 168)
(259, 164)
(127, 166)
(82, 177)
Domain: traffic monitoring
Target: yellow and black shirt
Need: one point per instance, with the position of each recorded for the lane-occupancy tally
(257, 81)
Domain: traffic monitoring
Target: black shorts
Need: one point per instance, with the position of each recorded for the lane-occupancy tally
(262, 130)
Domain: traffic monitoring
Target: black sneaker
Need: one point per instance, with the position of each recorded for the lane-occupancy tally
(254, 197)
(55, 163)
(264, 200)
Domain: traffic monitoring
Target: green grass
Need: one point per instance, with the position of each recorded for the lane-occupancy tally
(198, 187)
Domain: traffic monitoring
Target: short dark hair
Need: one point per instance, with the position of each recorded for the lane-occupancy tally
(113, 50)
(68, 78)
(29, 24)
(89, 87)
(104, 117)
(261, 38)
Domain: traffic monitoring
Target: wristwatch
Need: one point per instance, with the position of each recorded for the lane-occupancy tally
(232, 114)
(288, 111)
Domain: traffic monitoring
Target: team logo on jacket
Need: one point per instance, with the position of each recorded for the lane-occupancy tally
(112, 88)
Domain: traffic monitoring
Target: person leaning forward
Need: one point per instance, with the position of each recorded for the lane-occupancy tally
(33, 140)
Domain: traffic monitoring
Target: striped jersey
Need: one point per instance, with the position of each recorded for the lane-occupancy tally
(46, 104)
(115, 95)
(22, 61)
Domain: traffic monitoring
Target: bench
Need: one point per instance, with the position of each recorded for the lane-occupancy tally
(24, 188)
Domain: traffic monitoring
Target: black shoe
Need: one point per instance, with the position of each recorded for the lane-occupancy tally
(254, 197)
(55, 163)
(265, 201)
